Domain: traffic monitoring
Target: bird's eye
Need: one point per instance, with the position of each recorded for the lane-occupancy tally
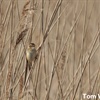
(32, 45)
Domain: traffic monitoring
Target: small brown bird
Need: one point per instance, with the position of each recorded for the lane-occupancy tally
(31, 54)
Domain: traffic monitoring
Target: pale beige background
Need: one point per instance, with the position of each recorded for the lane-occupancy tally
(74, 56)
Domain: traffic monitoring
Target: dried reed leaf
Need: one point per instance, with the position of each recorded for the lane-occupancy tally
(61, 62)
(25, 6)
(21, 36)
(8, 81)
(20, 87)
(1, 40)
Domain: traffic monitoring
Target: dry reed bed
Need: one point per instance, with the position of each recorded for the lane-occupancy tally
(66, 34)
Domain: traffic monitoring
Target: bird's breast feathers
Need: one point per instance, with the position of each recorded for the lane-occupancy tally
(30, 54)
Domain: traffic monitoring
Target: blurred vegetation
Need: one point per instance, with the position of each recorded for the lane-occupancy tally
(66, 34)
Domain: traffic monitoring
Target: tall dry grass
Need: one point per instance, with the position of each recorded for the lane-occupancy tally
(66, 34)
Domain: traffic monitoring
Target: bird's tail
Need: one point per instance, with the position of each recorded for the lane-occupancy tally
(26, 69)
(28, 65)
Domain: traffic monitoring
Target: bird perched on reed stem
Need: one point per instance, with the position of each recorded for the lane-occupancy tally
(31, 54)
